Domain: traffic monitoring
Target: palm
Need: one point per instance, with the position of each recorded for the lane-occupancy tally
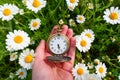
(52, 71)
(44, 69)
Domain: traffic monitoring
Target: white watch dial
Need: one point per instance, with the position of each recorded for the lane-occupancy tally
(58, 44)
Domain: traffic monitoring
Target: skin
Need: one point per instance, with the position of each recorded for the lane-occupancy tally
(44, 69)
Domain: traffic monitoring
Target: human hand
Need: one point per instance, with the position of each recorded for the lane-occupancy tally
(44, 69)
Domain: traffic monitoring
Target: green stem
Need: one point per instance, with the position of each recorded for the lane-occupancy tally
(34, 14)
(84, 11)
(88, 55)
(113, 59)
(42, 14)
(113, 65)
(19, 22)
(57, 6)
(10, 25)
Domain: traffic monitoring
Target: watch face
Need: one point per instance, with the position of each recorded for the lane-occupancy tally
(58, 44)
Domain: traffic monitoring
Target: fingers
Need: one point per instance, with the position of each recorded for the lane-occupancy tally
(64, 29)
(71, 52)
(54, 30)
(69, 65)
(69, 33)
(40, 50)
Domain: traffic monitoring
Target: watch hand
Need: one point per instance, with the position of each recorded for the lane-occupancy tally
(58, 46)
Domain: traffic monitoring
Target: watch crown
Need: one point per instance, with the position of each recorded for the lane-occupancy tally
(59, 30)
(58, 34)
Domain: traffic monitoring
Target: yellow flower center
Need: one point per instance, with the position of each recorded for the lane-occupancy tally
(80, 18)
(72, 22)
(35, 24)
(96, 62)
(80, 71)
(113, 16)
(90, 64)
(28, 58)
(21, 73)
(18, 39)
(91, 79)
(71, 7)
(101, 70)
(88, 35)
(6, 12)
(72, 1)
(118, 58)
(36, 3)
(13, 56)
(24, 1)
(83, 43)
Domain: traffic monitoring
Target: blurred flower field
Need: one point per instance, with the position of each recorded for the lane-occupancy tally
(96, 26)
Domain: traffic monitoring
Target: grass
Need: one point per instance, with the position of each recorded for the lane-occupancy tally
(102, 48)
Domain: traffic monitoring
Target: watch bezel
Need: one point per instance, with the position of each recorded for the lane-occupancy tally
(51, 37)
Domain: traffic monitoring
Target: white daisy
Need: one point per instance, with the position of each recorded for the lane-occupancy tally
(90, 6)
(26, 59)
(16, 22)
(35, 5)
(61, 22)
(119, 77)
(77, 36)
(24, 1)
(97, 61)
(112, 16)
(79, 71)
(72, 2)
(7, 11)
(71, 7)
(34, 24)
(17, 40)
(118, 57)
(11, 75)
(91, 77)
(21, 11)
(9, 48)
(83, 43)
(89, 33)
(80, 19)
(82, 61)
(22, 73)
(90, 65)
(13, 56)
(101, 70)
(71, 22)
(32, 42)
(112, 39)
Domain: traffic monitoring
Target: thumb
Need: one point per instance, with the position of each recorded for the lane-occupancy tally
(40, 50)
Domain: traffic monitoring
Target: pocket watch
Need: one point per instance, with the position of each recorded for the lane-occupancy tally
(58, 44)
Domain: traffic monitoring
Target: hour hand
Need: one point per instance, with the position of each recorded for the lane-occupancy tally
(58, 46)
